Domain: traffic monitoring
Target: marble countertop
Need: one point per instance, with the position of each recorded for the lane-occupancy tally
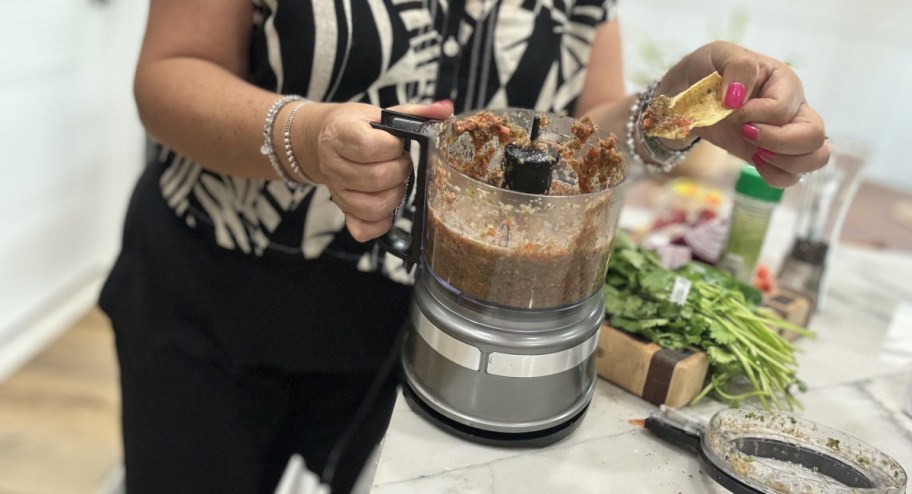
(857, 370)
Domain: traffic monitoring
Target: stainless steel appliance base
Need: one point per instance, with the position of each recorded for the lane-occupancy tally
(531, 439)
(499, 375)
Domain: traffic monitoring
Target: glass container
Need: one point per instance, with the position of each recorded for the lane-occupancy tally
(824, 201)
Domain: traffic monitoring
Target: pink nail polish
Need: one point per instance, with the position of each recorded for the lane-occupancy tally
(750, 132)
(734, 95)
(757, 161)
(765, 154)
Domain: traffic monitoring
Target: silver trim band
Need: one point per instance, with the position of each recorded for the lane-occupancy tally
(512, 365)
(504, 364)
(458, 352)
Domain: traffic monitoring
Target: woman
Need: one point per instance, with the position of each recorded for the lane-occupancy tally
(252, 308)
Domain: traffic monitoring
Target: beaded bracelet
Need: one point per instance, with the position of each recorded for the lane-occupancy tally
(658, 158)
(268, 149)
(296, 170)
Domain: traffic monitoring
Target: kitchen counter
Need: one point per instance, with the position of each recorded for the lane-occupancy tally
(857, 371)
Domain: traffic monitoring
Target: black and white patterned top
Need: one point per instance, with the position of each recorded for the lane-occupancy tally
(479, 53)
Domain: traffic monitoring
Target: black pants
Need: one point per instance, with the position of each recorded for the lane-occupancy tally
(195, 427)
(232, 362)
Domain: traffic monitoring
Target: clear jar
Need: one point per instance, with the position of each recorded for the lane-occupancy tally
(510, 248)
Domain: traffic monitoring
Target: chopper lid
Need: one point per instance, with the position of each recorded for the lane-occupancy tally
(751, 184)
(756, 451)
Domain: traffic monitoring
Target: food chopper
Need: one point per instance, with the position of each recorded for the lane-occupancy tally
(507, 304)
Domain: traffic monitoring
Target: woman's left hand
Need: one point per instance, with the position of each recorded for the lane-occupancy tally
(772, 127)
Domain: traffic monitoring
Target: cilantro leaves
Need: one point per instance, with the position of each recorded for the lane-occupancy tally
(718, 315)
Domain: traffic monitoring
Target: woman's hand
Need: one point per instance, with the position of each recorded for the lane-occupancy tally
(364, 168)
(773, 127)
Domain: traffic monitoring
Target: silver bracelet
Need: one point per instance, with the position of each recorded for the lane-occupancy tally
(268, 149)
(658, 158)
(296, 170)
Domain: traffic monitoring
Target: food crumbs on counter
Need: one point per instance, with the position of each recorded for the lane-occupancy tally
(638, 422)
(832, 443)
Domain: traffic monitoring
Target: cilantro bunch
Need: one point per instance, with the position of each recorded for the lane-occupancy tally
(748, 357)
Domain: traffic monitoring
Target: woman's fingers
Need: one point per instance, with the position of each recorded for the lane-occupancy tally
(772, 126)
(355, 141)
(438, 110)
(783, 153)
(366, 169)
(803, 134)
(784, 170)
(774, 109)
(375, 191)
(363, 230)
(740, 70)
(370, 206)
(369, 214)
(371, 177)
(775, 176)
(794, 148)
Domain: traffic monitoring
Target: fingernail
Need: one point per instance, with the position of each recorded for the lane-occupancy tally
(766, 154)
(442, 102)
(734, 95)
(750, 132)
(757, 161)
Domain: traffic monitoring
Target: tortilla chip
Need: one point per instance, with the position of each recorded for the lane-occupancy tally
(699, 105)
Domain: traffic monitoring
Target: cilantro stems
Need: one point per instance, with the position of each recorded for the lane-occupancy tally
(718, 315)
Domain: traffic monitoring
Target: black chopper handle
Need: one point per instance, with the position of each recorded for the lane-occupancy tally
(398, 242)
(665, 427)
(672, 433)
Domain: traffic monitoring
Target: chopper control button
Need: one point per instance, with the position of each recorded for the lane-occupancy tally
(451, 47)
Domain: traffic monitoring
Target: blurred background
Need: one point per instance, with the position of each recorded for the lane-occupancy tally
(72, 146)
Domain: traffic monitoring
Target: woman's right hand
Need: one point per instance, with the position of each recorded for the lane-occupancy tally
(365, 169)
(773, 126)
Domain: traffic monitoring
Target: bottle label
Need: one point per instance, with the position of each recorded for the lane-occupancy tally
(745, 239)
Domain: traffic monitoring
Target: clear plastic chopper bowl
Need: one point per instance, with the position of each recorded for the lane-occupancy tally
(510, 248)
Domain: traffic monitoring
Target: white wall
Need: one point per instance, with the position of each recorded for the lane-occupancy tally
(855, 58)
(71, 148)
